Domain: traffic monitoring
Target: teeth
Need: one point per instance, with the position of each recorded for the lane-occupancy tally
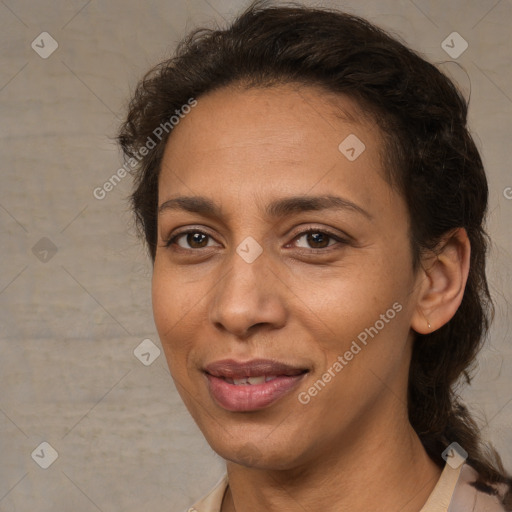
(261, 379)
(256, 380)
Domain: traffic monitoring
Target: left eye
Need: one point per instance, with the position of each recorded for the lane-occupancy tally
(315, 239)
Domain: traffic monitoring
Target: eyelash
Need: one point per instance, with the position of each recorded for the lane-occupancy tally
(168, 243)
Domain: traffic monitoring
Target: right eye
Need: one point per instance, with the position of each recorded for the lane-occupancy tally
(193, 237)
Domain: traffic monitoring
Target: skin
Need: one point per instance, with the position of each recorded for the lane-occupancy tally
(300, 302)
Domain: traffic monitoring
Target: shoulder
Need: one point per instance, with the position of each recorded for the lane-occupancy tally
(212, 502)
(471, 497)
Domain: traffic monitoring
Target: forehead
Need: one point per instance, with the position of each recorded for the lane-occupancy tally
(288, 137)
(283, 113)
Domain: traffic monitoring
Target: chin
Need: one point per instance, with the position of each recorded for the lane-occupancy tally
(256, 454)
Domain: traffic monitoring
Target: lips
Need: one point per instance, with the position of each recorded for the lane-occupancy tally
(251, 380)
(252, 385)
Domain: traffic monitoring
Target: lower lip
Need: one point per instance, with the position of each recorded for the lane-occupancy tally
(250, 397)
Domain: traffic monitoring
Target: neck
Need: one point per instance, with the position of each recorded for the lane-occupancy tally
(386, 471)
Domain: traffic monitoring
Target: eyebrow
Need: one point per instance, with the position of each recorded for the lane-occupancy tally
(278, 208)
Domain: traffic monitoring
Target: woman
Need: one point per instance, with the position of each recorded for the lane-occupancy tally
(313, 205)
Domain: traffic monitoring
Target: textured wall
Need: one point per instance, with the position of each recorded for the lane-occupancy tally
(75, 282)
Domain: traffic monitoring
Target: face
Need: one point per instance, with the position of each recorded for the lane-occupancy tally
(291, 267)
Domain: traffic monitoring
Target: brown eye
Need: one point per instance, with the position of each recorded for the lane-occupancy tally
(316, 239)
(194, 239)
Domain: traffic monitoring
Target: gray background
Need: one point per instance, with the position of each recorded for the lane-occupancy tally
(71, 319)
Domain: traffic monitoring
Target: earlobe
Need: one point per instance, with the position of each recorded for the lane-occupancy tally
(445, 273)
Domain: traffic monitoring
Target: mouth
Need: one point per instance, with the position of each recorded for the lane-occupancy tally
(251, 381)
(252, 385)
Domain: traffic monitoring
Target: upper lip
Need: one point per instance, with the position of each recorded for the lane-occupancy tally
(231, 369)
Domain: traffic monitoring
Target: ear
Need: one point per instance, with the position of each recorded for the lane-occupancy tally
(443, 280)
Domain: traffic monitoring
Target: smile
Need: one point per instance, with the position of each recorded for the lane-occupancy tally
(252, 385)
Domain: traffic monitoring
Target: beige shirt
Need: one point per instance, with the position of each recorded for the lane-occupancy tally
(452, 493)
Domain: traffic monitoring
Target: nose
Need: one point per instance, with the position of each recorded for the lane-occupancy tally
(249, 297)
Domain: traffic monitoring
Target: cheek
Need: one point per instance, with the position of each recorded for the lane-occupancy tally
(170, 307)
(173, 298)
(162, 298)
(366, 302)
(349, 295)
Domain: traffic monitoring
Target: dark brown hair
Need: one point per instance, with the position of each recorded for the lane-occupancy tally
(429, 155)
